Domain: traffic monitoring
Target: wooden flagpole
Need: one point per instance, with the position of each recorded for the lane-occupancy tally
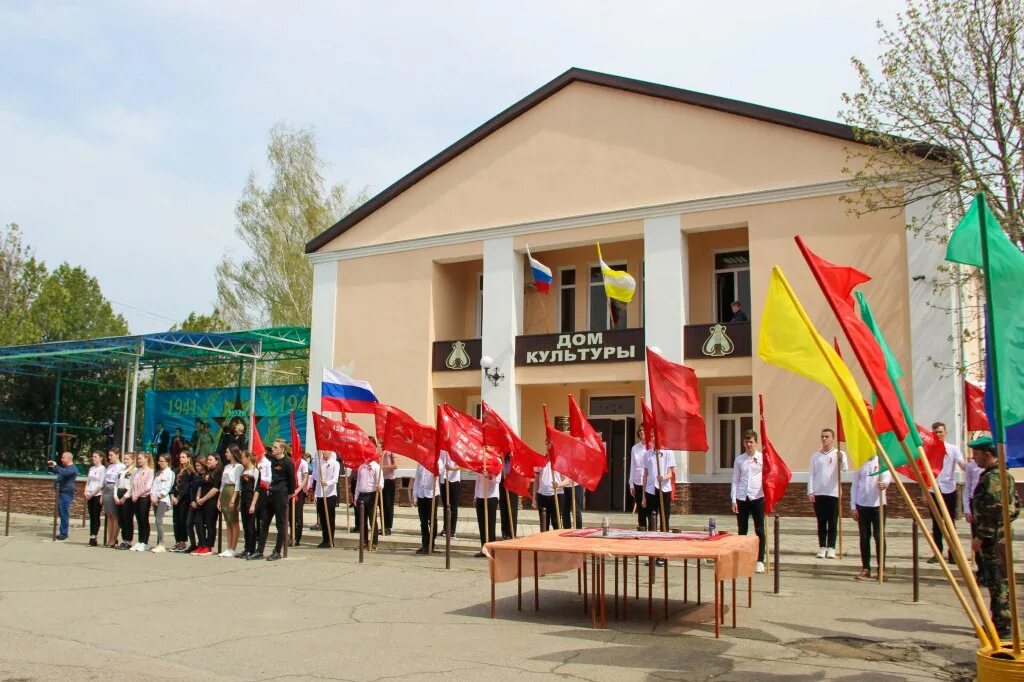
(554, 483)
(881, 534)
(376, 504)
(486, 532)
(323, 489)
(433, 517)
(508, 505)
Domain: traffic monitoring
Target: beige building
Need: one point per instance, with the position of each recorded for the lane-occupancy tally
(695, 195)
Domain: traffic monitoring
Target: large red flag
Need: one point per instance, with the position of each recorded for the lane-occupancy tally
(380, 419)
(499, 435)
(405, 436)
(581, 428)
(776, 474)
(258, 448)
(571, 457)
(934, 451)
(837, 283)
(974, 397)
(461, 436)
(517, 483)
(648, 420)
(675, 404)
(296, 445)
(353, 446)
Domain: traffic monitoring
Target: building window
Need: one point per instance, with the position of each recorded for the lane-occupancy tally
(479, 305)
(612, 406)
(602, 315)
(734, 414)
(567, 300)
(732, 283)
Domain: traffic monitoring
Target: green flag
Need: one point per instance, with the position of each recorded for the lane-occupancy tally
(892, 368)
(1004, 273)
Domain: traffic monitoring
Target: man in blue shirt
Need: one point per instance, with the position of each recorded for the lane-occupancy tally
(65, 484)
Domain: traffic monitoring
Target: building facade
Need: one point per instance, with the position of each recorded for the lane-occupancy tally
(696, 196)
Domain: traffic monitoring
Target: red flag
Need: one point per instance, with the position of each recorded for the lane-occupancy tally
(350, 442)
(258, 448)
(296, 445)
(581, 428)
(571, 457)
(776, 475)
(974, 397)
(380, 418)
(840, 436)
(499, 435)
(837, 283)
(648, 420)
(675, 404)
(934, 451)
(517, 483)
(461, 436)
(405, 436)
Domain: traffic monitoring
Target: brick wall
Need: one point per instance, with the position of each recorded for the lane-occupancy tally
(35, 494)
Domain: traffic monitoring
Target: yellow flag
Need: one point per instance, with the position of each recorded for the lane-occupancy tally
(790, 341)
(618, 284)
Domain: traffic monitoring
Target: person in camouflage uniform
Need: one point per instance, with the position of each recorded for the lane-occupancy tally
(989, 534)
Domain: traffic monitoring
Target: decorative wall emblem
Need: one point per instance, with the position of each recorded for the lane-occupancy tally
(718, 343)
(458, 358)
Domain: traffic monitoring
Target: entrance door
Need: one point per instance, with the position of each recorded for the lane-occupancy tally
(611, 494)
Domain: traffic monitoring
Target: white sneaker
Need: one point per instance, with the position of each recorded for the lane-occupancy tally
(229, 553)
(830, 554)
(821, 552)
(759, 568)
(142, 547)
(135, 547)
(158, 549)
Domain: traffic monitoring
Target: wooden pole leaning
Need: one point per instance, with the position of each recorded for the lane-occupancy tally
(839, 502)
(663, 525)
(323, 492)
(487, 498)
(377, 502)
(881, 536)
(508, 505)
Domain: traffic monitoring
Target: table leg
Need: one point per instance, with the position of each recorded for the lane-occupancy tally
(636, 592)
(650, 588)
(604, 605)
(519, 576)
(593, 586)
(492, 597)
(625, 587)
(585, 590)
(686, 580)
(750, 593)
(536, 584)
(615, 589)
(721, 588)
(734, 603)
(698, 580)
(714, 585)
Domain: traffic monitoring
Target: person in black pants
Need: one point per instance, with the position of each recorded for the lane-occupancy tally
(325, 476)
(425, 493)
(450, 482)
(206, 506)
(544, 487)
(747, 493)
(194, 521)
(486, 492)
(181, 501)
(508, 503)
(298, 503)
(388, 467)
(94, 495)
(249, 505)
(368, 482)
(282, 486)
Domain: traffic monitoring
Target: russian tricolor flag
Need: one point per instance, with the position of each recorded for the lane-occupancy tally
(541, 274)
(339, 393)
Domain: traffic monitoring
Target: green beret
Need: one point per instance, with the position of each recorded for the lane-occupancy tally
(983, 443)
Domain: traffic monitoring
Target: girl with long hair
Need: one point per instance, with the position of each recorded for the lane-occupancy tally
(112, 473)
(180, 501)
(163, 483)
(122, 498)
(141, 496)
(195, 515)
(206, 503)
(249, 502)
(227, 503)
(94, 495)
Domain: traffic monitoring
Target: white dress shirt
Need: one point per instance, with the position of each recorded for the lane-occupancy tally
(637, 458)
(746, 477)
(947, 477)
(163, 481)
(330, 469)
(822, 476)
(94, 483)
(231, 474)
(487, 487)
(425, 485)
(546, 480)
(265, 472)
(448, 468)
(665, 461)
(368, 479)
(113, 473)
(301, 472)
(864, 491)
(972, 474)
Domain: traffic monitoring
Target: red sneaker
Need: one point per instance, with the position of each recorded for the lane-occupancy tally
(203, 551)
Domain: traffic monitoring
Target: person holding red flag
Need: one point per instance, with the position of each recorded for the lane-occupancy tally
(545, 487)
(946, 480)
(867, 503)
(368, 483)
(425, 491)
(659, 472)
(282, 486)
(325, 477)
(451, 482)
(486, 493)
(747, 492)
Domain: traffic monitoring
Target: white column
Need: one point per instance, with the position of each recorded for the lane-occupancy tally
(665, 275)
(502, 322)
(936, 391)
(321, 338)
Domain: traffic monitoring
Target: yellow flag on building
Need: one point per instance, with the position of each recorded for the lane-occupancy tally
(790, 341)
(618, 284)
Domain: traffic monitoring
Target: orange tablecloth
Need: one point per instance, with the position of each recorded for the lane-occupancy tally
(735, 555)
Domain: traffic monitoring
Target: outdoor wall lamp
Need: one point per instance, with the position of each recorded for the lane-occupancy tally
(492, 373)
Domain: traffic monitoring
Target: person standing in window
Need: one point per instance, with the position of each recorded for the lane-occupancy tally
(737, 313)
(748, 492)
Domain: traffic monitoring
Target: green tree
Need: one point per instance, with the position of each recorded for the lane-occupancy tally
(273, 284)
(70, 305)
(21, 276)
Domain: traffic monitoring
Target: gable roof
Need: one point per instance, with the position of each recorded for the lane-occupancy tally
(573, 75)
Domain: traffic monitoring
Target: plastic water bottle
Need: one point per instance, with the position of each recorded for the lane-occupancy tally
(604, 527)
(712, 526)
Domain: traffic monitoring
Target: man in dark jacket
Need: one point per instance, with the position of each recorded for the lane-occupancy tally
(65, 484)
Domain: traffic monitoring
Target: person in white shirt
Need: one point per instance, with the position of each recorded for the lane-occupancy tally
(486, 492)
(390, 470)
(368, 482)
(947, 486)
(637, 457)
(823, 491)
(111, 508)
(298, 500)
(972, 474)
(161, 497)
(659, 472)
(325, 493)
(568, 490)
(451, 479)
(228, 498)
(747, 492)
(545, 484)
(94, 495)
(867, 502)
(425, 491)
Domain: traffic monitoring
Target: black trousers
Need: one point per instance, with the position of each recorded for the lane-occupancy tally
(426, 505)
(179, 515)
(193, 521)
(826, 510)
(509, 512)
(141, 508)
(549, 519)
(326, 517)
(126, 517)
(567, 507)
(296, 527)
(95, 509)
(274, 506)
(950, 499)
(388, 496)
(745, 509)
(250, 522)
(367, 500)
(868, 525)
(642, 512)
(492, 513)
(654, 507)
(453, 517)
(208, 522)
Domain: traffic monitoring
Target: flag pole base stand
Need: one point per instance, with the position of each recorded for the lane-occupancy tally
(996, 666)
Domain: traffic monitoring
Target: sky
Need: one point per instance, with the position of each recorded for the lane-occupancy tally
(128, 129)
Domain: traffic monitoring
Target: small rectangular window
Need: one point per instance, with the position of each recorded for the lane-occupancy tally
(567, 300)
(732, 283)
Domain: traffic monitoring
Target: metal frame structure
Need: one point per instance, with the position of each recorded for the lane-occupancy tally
(154, 351)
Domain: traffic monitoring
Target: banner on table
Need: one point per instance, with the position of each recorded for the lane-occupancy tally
(222, 407)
